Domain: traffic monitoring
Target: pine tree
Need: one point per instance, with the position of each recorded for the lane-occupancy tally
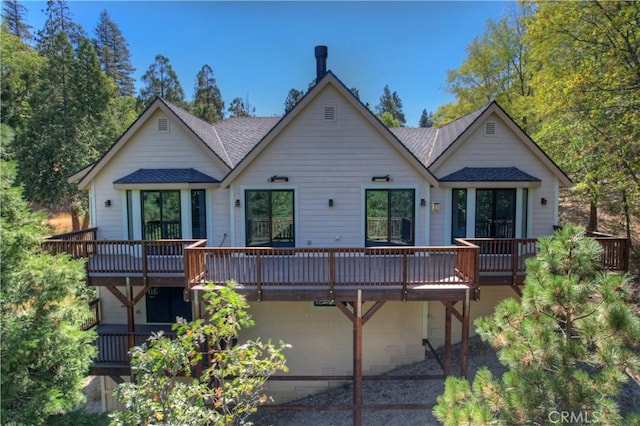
(43, 303)
(293, 98)
(13, 19)
(426, 119)
(113, 52)
(239, 109)
(391, 103)
(207, 103)
(567, 344)
(59, 20)
(161, 80)
(65, 129)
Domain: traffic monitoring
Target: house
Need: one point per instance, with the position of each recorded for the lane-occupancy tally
(329, 220)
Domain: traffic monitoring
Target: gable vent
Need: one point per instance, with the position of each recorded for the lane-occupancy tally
(490, 128)
(329, 113)
(163, 124)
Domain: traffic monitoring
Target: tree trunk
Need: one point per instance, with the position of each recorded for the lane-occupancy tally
(85, 221)
(627, 216)
(75, 221)
(593, 217)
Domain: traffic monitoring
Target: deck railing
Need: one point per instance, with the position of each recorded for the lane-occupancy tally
(138, 257)
(615, 251)
(113, 347)
(94, 319)
(334, 267)
(81, 235)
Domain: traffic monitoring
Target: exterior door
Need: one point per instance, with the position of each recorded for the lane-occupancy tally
(495, 213)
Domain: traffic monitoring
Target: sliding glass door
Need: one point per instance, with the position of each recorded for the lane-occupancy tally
(161, 215)
(390, 217)
(269, 218)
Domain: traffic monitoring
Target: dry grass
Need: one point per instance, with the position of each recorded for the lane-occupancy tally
(60, 223)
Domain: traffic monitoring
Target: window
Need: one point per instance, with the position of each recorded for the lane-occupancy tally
(495, 213)
(164, 304)
(390, 217)
(161, 215)
(269, 218)
(130, 214)
(198, 214)
(458, 214)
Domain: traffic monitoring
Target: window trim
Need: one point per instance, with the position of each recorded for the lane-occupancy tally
(389, 242)
(270, 191)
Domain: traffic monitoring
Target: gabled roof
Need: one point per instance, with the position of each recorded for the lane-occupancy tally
(330, 79)
(489, 174)
(234, 143)
(166, 176)
(460, 130)
(201, 130)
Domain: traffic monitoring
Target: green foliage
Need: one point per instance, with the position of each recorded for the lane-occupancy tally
(567, 344)
(497, 67)
(389, 109)
(161, 80)
(13, 17)
(59, 21)
(79, 418)
(230, 386)
(20, 66)
(293, 98)
(113, 53)
(239, 109)
(207, 103)
(45, 354)
(65, 131)
(586, 84)
(426, 119)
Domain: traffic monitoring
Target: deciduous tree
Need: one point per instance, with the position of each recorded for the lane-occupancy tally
(587, 94)
(230, 386)
(567, 344)
(239, 109)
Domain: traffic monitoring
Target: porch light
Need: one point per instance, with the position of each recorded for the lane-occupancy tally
(237, 203)
(276, 178)
(423, 202)
(436, 207)
(107, 203)
(330, 202)
(543, 201)
(385, 178)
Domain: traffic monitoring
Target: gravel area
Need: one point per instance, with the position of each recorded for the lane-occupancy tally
(410, 391)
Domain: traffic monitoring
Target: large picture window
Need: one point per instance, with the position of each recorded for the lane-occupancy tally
(269, 218)
(161, 215)
(390, 217)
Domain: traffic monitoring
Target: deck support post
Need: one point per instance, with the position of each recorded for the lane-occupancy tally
(466, 311)
(447, 339)
(357, 361)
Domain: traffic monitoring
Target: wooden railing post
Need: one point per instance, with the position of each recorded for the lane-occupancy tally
(144, 262)
(332, 274)
(514, 261)
(405, 268)
(259, 276)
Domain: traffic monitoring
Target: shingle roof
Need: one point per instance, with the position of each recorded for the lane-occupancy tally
(240, 134)
(489, 174)
(166, 176)
(203, 130)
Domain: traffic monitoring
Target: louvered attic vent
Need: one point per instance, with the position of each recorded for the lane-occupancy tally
(163, 125)
(329, 113)
(490, 128)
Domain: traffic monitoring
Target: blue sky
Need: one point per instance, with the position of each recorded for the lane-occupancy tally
(260, 50)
